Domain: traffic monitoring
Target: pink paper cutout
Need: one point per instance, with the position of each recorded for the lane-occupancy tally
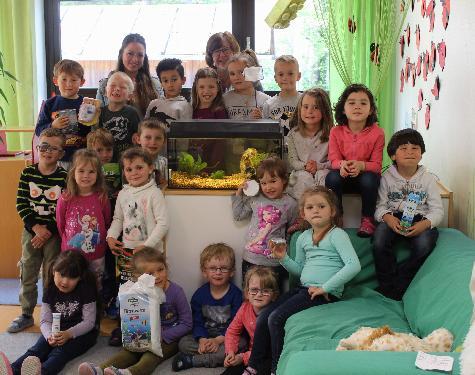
(420, 99)
(425, 65)
(402, 43)
(408, 69)
(445, 12)
(401, 87)
(423, 8)
(418, 65)
(408, 34)
(436, 89)
(431, 14)
(427, 116)
(432, 57)
(418, 37)
(442, 48)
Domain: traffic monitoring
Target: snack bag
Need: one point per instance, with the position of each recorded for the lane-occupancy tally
(89, 111)
(413, 199)
(140, 315)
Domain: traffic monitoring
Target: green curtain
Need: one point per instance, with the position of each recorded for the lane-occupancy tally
(17, 43)
(374, 21)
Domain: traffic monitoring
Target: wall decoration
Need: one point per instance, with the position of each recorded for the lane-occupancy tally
(408, 34)
(407, 72)
(413, 74)
(425, 65)
(419, 65)
(418, 37)
(427, 116)
(351, 24)
(445, 12)
(402, 43)
(432, 57)
(441, 47)
(412, 5)
(436, 89)
(423, 8)
(430, 12)
(420, 99)
(374, 53)
(401, 87)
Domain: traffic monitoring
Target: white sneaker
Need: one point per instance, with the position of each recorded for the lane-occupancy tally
(31, 366)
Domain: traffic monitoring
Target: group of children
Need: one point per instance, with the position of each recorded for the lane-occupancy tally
(69, 230)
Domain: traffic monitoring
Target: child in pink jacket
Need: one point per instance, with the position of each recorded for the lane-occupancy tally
(355, 151)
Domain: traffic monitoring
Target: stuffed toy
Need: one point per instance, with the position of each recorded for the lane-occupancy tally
(384, 339)
(467, 358)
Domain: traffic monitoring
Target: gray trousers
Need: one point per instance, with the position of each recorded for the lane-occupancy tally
(30, 264)
(189, 345)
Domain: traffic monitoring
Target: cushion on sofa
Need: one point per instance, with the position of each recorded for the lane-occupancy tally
(439, 295)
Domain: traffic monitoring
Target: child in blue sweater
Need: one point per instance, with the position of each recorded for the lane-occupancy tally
(325, 261)
(213, 307)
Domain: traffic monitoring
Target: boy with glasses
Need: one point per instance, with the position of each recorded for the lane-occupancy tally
(40, 187)
(213, 306)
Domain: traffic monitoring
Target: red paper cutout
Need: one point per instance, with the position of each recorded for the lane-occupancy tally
(431, 14)
(425, 65)
(420, 99)
(436, 89)
(408, 34)
(432, 57)
(408, 69)
(401, 87)
(445, 12)
(418, 65)
(427, 116)
(418, 37)
(402, 43)
(413, 74)
(423, 8)
(441, 47)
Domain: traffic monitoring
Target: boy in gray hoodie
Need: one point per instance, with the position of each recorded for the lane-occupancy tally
(405, 179)
(173, 106)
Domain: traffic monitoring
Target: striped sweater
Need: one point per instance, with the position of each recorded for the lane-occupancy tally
(38, 195)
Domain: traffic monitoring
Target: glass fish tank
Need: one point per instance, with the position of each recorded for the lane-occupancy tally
(219, 154)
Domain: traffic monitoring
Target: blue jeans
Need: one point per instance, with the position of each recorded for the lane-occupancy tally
(54, 358)
(366, 184)
(270, 324)
(393, 276)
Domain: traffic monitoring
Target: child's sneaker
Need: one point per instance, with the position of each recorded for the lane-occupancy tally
(116, 371)
(367, 227)
(116, 337)
(31, 366)
(182, 361)
(5, 367)
(88, 368)
(249, 371)
(20, 323)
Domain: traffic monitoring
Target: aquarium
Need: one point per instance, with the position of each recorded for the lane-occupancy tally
(219, 154)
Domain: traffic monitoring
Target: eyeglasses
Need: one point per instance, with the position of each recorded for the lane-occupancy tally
(224, 51)
(220, 269)
(44, 147)
(264, 292)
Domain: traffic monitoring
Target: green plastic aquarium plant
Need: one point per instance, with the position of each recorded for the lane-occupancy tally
(188, 164)
(218, 175)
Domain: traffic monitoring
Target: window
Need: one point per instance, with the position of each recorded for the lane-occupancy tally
(302, 39)
(92, 31)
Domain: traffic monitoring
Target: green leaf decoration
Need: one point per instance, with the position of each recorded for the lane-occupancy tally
(218, 175)
(187, 164)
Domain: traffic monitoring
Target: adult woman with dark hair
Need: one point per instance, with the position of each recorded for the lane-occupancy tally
(133, 61)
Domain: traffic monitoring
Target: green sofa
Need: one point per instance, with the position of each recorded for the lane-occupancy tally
(439, 296)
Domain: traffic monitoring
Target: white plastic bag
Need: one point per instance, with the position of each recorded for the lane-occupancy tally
(140, 315)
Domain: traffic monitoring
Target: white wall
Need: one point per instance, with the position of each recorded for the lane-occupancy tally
(450, 139)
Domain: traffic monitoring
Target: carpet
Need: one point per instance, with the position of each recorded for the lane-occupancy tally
(14, 345)
(10, 290)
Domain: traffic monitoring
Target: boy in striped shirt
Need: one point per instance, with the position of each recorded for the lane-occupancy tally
(39, 188)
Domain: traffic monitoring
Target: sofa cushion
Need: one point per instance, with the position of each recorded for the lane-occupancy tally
(439, 295)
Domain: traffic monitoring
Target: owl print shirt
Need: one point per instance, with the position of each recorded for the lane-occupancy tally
(38, 195)
(82, 223)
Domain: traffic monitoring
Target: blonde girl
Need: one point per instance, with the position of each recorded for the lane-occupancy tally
(308, 141)
(244, 102)
(260, 289)
(83, 212)
(207, 96)
(175, 316)
(325, 260)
